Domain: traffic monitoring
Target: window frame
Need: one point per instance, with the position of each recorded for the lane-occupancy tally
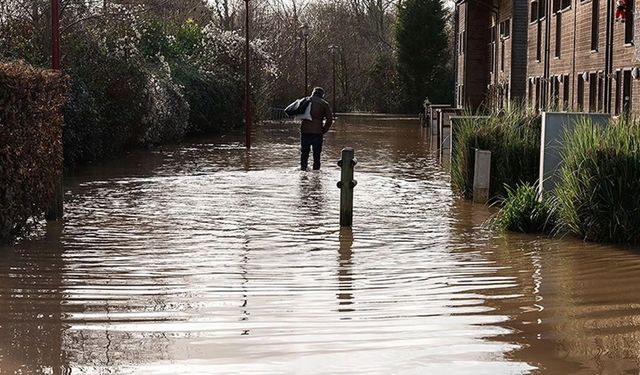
(629, 27)
(595, 25)
(505, 29)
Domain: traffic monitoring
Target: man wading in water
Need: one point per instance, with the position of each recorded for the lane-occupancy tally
(312, 131)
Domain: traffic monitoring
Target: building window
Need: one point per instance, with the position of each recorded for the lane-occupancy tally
(539, 43)
(505, 29)
(593, 92)
(461, 43)
(502, 56)
(616, 107)
(534, 11)
(600, 92)
(595, 22)
(627, 92)
(493, 49)
(628, 24)
(580, 98)
(506, 96)
(530, 91)
(558, 34)
(565, 92)
(542, 9)
(538, 10)
(555, 92)
(538, 93)
(560, 5)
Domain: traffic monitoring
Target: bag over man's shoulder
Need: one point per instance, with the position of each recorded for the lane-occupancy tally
(298, 107)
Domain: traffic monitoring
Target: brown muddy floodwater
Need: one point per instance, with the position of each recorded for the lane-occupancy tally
(205, 259)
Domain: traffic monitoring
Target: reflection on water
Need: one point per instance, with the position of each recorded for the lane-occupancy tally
(31, 298)
(207, 258)
(345, 278)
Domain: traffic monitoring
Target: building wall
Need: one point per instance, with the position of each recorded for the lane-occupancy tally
(555, 54)
(503, 53)
(472, 59)
(538, 15)
(582, 53)
(461, 11)
(625, 59)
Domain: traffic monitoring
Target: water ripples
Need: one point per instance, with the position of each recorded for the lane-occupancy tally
(207, 259)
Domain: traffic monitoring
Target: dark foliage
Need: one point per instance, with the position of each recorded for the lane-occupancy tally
(31, 120)
(423, 54)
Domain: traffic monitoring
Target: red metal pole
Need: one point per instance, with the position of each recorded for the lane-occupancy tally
(55, 34)
(247, 76)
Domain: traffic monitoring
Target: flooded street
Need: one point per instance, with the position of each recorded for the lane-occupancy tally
(203, 258)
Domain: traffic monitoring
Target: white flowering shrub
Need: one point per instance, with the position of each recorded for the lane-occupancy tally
(140, 80)
(167, 115)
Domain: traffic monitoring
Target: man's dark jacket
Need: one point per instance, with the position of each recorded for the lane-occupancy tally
(320, 110)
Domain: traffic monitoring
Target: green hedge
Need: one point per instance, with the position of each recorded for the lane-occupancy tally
(599, 191)
(513, 137)
(31, 102)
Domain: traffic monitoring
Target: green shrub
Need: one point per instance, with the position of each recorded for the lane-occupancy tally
(122, 96)
(140, 81)
(524, 210)
(215, 99)
(513, 137)
(31, 103)
(107, 105)
(599, 189)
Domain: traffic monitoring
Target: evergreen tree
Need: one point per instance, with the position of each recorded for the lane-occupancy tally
(423, 53)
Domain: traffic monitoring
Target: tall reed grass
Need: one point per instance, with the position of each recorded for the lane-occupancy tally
(599, 189)
(525, 210)
(513, 137)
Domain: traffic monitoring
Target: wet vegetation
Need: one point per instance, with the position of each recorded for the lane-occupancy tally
(512, 136)
(525, 210)
(598, 195)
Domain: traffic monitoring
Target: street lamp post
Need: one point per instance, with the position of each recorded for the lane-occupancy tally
(333, 49)
(305, 35)
(247, 76)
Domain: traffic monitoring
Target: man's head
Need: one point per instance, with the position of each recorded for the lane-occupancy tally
(318, 91)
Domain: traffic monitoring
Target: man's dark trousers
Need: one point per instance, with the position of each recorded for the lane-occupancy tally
(308, 140)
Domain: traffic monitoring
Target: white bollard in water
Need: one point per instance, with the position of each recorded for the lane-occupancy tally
(481, 176)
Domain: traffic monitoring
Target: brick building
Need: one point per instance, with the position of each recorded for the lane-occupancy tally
(557, 54)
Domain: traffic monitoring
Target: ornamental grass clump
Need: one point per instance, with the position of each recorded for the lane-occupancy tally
(599, 189)
(513, 137)
(525, 210)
